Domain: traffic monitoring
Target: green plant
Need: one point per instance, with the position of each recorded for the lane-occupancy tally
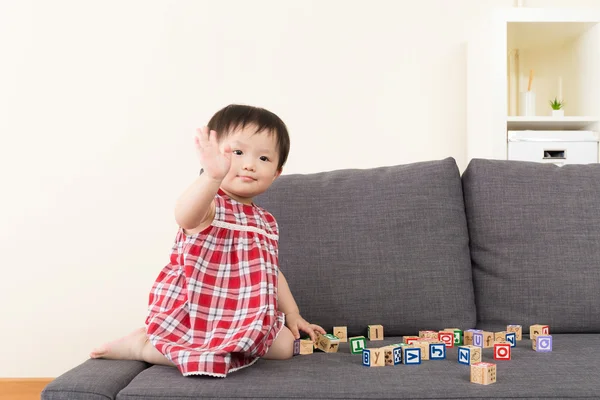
(556, 105)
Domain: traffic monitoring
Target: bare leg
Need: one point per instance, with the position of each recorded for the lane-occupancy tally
(283, 346)
(134, 346)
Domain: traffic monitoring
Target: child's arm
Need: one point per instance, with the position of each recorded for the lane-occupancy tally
(287, 304)
(293, 319)
(196, 205)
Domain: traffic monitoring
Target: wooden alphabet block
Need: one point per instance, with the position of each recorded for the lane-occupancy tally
(535, 330)
(423, 346)
(297, 347)
(542, 343)
(410, 339)
(375, 332)
(483, 373)
(357, 344)
(468, 336)
(428, 334)
(392, 354)
(373, 358)
(469, 354)
(411, 355)
(328, 343)
(516, 329)
(306, 346)
(458, 335)
(488, 339)
(447, 337)
(502, 351)
(341, 332)
(437, 351)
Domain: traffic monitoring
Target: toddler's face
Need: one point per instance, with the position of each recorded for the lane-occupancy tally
(254, 161)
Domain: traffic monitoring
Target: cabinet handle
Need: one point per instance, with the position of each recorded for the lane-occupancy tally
(555, 154)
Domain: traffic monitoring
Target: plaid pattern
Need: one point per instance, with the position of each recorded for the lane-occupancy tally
(213, 308)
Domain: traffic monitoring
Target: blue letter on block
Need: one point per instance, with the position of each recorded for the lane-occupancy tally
(464, 355)
(512, 339)
(412, 356)
(397, 353)
(478, 339)
(367, 358)
(543, 343)
(437, 351)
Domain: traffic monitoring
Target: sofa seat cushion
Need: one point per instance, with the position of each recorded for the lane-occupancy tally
(570, 371)
(535, 244)
(382, 246)
(93, 380)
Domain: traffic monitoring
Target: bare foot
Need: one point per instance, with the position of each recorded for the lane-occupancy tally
(129, 347)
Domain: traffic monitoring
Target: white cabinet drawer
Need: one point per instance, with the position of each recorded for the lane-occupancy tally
(559, 153)
(556, 147)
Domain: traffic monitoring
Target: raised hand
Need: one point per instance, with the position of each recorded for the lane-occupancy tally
(216, 163)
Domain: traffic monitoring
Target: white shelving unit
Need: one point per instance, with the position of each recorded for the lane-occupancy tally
(562, 46)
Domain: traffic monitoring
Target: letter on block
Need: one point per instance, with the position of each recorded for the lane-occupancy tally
(537, 329)
(483, 373)
(511, 337)
(447, 337)
(373, 358)
(410, 339)
(357, 344)
(542, 343)
(458, 334)
(502, 351)
(517, 329)
(437, 351)
(375, 332)
(297, 347)
(488, 339)
(469, 354)
(341, 332)
(392, 354)
(411, 355)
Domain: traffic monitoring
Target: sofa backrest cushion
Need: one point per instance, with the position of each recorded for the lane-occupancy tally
(535, 244)
(384, 246)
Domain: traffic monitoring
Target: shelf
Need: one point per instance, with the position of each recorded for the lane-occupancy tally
(550, 123)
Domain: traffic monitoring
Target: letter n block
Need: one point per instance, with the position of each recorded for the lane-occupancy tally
(468, 355)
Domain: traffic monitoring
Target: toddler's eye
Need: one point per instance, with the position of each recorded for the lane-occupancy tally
(264, 158)
(237, 152)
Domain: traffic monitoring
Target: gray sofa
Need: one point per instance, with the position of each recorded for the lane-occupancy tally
(417, 247)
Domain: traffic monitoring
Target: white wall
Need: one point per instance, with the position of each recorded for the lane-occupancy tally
(98, 102)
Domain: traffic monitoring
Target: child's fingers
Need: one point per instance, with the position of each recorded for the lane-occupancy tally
(318, 328)
(295, 332)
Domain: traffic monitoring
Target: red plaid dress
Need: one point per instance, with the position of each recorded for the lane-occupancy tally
(213, 308)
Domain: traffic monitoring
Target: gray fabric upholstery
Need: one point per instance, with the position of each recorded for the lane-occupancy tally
(570, 371)
(93, 380)
(382, 246)
(535, 244)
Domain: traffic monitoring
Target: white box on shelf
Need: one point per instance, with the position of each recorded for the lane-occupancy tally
(555, 147)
